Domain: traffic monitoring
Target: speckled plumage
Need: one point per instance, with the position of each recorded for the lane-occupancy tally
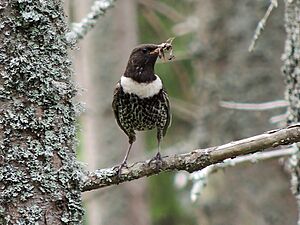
(141, 103)
(135, 113)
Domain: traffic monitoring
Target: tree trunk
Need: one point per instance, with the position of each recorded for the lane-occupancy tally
(39, 175)
(291, 72)
(291, 57)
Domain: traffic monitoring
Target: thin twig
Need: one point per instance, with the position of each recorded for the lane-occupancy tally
(79, 30)
(194, 160)
(254, 106)
(261, 24)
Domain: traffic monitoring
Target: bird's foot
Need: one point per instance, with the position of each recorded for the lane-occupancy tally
(157, 159)
(119, 168)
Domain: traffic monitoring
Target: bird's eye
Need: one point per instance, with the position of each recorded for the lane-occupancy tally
(144, 50)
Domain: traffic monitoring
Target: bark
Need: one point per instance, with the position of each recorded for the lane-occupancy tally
(291, 72)
(291, 57)
(194, 160)
(39, 174)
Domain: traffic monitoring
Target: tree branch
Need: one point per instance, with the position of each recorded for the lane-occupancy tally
(200, 178)
(79, 30)
(262, 23)
(194, 160)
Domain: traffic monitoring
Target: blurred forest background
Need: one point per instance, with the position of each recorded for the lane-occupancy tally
(212, 64)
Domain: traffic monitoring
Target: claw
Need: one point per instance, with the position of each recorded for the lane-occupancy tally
(157, 159)
(158, 156)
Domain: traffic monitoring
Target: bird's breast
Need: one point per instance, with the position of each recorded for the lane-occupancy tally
(142, 90)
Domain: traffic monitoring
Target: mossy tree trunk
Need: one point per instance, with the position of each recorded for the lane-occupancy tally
(39, 175)
(291, 72)
(291, 57)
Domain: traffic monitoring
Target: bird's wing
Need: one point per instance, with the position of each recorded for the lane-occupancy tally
(115, 103)
(169, 116)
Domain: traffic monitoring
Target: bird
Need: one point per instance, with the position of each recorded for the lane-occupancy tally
(140, 101)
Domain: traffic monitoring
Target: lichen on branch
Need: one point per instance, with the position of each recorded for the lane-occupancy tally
(80, 29)
(194, 160)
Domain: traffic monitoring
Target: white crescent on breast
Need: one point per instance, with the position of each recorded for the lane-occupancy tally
(143, 90)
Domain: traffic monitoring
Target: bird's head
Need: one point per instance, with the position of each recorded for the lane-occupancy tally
(141, 62)
(144, 55)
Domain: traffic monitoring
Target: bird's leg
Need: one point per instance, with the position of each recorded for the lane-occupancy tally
(157, 158)
(158, 155)
(124, 162)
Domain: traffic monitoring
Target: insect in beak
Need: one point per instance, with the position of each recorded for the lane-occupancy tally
(166, 46)
(156, 51)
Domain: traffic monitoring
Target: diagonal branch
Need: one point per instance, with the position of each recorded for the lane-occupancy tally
(261, 24)
(194, 160)
(200, 178)
(79, 30)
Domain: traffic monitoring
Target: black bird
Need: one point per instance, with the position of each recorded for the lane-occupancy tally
(140, 101)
